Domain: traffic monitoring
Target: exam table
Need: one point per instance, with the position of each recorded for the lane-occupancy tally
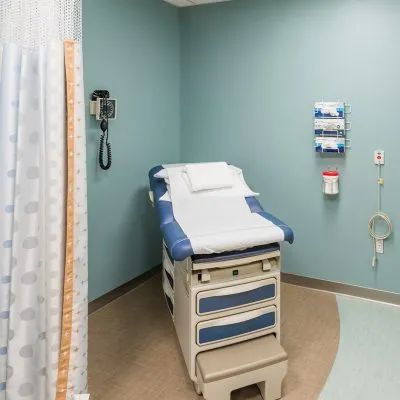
(224, 297)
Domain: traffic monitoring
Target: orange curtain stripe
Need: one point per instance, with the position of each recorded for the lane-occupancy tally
(65, 349)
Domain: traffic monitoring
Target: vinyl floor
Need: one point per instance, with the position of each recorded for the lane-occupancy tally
(134, 352)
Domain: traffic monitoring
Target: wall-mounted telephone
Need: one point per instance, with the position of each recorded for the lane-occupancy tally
(104, 109)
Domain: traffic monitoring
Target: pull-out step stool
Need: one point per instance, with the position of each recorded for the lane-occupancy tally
(260, 361)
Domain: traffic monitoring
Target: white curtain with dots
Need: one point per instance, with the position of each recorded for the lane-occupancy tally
(43, 213)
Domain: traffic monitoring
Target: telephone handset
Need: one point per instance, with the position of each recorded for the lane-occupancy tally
(105, 109)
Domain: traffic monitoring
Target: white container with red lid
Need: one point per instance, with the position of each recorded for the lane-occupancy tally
(331, 182)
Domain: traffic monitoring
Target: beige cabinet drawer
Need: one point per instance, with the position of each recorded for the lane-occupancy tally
(236, 296)
(234, 326)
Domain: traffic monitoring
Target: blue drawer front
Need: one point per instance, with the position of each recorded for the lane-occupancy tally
(215, 333)
(219, 303)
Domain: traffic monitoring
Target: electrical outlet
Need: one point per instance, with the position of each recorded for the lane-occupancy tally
(379, 157)
(379, 246)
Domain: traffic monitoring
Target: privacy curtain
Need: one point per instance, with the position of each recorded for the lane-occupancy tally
(43, 211)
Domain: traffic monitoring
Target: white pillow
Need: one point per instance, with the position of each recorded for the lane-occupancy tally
(239, 188)
(209, 176)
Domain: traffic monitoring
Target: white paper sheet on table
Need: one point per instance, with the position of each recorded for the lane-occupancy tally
(218, 224)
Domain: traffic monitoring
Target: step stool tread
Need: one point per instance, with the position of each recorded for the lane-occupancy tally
(239, 358)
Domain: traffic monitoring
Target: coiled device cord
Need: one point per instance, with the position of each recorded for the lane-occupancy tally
(101, 153)
(379, 215)
(104, 137)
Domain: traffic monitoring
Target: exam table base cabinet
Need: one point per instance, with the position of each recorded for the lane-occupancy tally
(215, 304)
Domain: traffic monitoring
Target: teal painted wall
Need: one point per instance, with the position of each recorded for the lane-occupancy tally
(244, 63)
(131, 47)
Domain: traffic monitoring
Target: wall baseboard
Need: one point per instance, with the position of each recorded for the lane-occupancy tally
(121, 290)
(292, 279)
(342, 288)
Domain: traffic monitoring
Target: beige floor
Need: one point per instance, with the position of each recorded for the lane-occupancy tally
(134, 353)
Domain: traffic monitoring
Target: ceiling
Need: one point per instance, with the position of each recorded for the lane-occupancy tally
(188, 3)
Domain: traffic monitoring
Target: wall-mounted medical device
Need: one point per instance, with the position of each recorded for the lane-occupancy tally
(102, 106)
(105, 109)
(331, 127)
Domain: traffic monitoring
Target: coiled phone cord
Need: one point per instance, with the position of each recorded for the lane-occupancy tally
(382, 216)
(104, 136)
